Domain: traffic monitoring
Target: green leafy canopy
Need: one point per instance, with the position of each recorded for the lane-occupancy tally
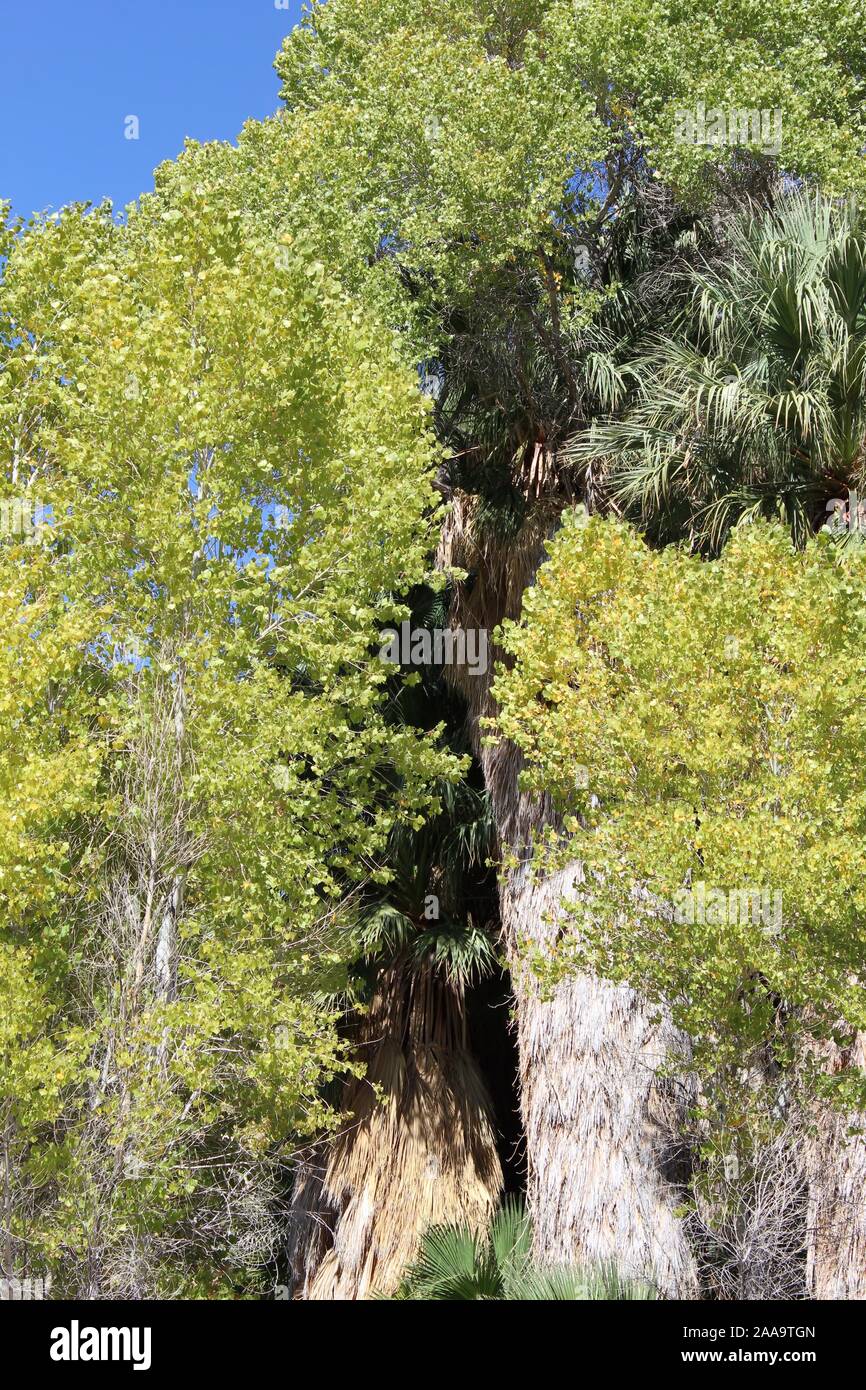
(713, 712)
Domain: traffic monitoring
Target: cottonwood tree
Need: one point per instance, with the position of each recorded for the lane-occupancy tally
(715, 707)
(237, 472)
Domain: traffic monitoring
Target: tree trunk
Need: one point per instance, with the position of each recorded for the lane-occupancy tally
(7, 1240)
(836, 1167)
(601, 1124)
(605, 1163)
(420, 1154)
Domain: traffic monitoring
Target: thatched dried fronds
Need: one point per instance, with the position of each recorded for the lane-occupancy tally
(603, 1115)
(836, 1168)
(499, 575)
(419, 1148)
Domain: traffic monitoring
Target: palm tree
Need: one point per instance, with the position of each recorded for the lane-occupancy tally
(753, 402)
(419, 1145)
(601, 1120)
(457, 1263)
(516, 376)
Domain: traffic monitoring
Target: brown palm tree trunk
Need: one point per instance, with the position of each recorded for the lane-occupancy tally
(601, 1124)
(418, 1148)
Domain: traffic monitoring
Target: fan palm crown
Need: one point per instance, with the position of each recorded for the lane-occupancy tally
(754, 402)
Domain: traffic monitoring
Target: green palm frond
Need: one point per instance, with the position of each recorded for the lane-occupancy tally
(461, 952)
(422, 914)
(384, 931)
(452, 1265)
(455, 1263)
(509, 1243)
(753, 402)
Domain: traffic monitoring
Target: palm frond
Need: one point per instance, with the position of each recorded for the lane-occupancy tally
(753, 402)
(454, 1263)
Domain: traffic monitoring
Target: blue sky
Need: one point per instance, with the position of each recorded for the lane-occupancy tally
(74, 70)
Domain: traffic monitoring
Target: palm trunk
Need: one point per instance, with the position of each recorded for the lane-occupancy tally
(601, 1124)
(601, 1121)
(836, 1167)
(420, 1153)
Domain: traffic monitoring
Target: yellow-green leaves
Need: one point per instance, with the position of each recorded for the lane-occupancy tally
(714, 712)
(447, 141)
(237, 474)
